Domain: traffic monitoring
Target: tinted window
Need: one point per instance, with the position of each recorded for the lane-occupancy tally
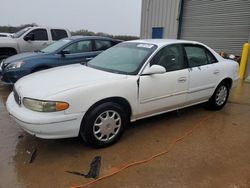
(80, 47)
(58, 34)
(170, 57)
(40, 34)
(101, 45)
(196, 56)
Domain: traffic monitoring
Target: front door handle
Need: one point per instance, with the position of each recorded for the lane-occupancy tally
(182, 79)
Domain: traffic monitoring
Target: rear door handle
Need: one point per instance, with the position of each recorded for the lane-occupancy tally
(182, 79)
(216, 72)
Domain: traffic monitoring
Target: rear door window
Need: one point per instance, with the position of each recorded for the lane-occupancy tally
(80, 47)
(58, 34)
(101, 45)
(210, 57)
(198, 55)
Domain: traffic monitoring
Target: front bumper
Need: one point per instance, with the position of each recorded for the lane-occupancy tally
(9, 77)
(235, 81)
(45, 125)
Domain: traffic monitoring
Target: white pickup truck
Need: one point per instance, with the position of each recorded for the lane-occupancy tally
(30, 39)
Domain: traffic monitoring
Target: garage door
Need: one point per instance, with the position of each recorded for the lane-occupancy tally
(221, 24)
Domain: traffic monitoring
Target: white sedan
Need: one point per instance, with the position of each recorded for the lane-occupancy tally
(130, 81)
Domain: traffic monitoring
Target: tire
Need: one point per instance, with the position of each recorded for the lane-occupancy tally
(3, 57)
(219, 98)
(103, 125)
(6, 53)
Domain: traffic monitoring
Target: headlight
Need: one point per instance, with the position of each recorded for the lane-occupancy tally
(44, 106)
(1, 64)
(15, 65)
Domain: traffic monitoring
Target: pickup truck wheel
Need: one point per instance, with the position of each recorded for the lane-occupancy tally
(219, 98)
(104, 125)
(6, 53)
(3, 57)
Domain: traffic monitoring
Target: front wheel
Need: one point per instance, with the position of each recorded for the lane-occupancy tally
(103, 125)
(219, 98)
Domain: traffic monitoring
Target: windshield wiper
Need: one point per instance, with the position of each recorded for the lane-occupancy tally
(84, 63)
(37, 51)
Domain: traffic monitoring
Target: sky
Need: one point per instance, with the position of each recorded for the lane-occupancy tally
(117, 17)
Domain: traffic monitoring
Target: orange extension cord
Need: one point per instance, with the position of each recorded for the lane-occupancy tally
(172, 145)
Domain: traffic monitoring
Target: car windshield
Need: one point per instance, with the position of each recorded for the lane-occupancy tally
(55, 46)
(20, 33)
(124, 58)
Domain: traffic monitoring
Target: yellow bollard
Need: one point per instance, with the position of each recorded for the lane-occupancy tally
(243, 61)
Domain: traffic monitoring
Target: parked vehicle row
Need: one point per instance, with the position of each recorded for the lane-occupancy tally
(30, 39)
(130, 81)
(66, 51)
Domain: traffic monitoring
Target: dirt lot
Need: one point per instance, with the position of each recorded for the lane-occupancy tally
(217, 154)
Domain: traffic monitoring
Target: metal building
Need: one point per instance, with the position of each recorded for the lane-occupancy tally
(221, 24)
(159, 18)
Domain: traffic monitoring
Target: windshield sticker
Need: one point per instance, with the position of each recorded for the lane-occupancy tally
(145, 45)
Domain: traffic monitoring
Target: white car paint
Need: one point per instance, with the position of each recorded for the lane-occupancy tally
(82, 87)
(21, 45)
(6, 34)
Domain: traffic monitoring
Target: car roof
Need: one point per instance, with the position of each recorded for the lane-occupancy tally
(80, 37)
(163, 42)
(45, 27)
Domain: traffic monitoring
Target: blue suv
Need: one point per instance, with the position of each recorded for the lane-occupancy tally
(77, 49)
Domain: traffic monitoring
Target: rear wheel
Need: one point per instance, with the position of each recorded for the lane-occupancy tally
(219, 98)
(103, 125)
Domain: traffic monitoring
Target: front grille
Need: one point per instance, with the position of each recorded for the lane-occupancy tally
(2, 64)
(16, 96)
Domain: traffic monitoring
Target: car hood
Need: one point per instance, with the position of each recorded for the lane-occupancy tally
(42, 85)
(6, 40)
(22, 57)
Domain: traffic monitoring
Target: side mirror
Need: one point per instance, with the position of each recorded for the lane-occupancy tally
(64, 52)
(29, 37)
(154, 69)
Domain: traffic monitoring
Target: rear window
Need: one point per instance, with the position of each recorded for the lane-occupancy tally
(58, 34)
